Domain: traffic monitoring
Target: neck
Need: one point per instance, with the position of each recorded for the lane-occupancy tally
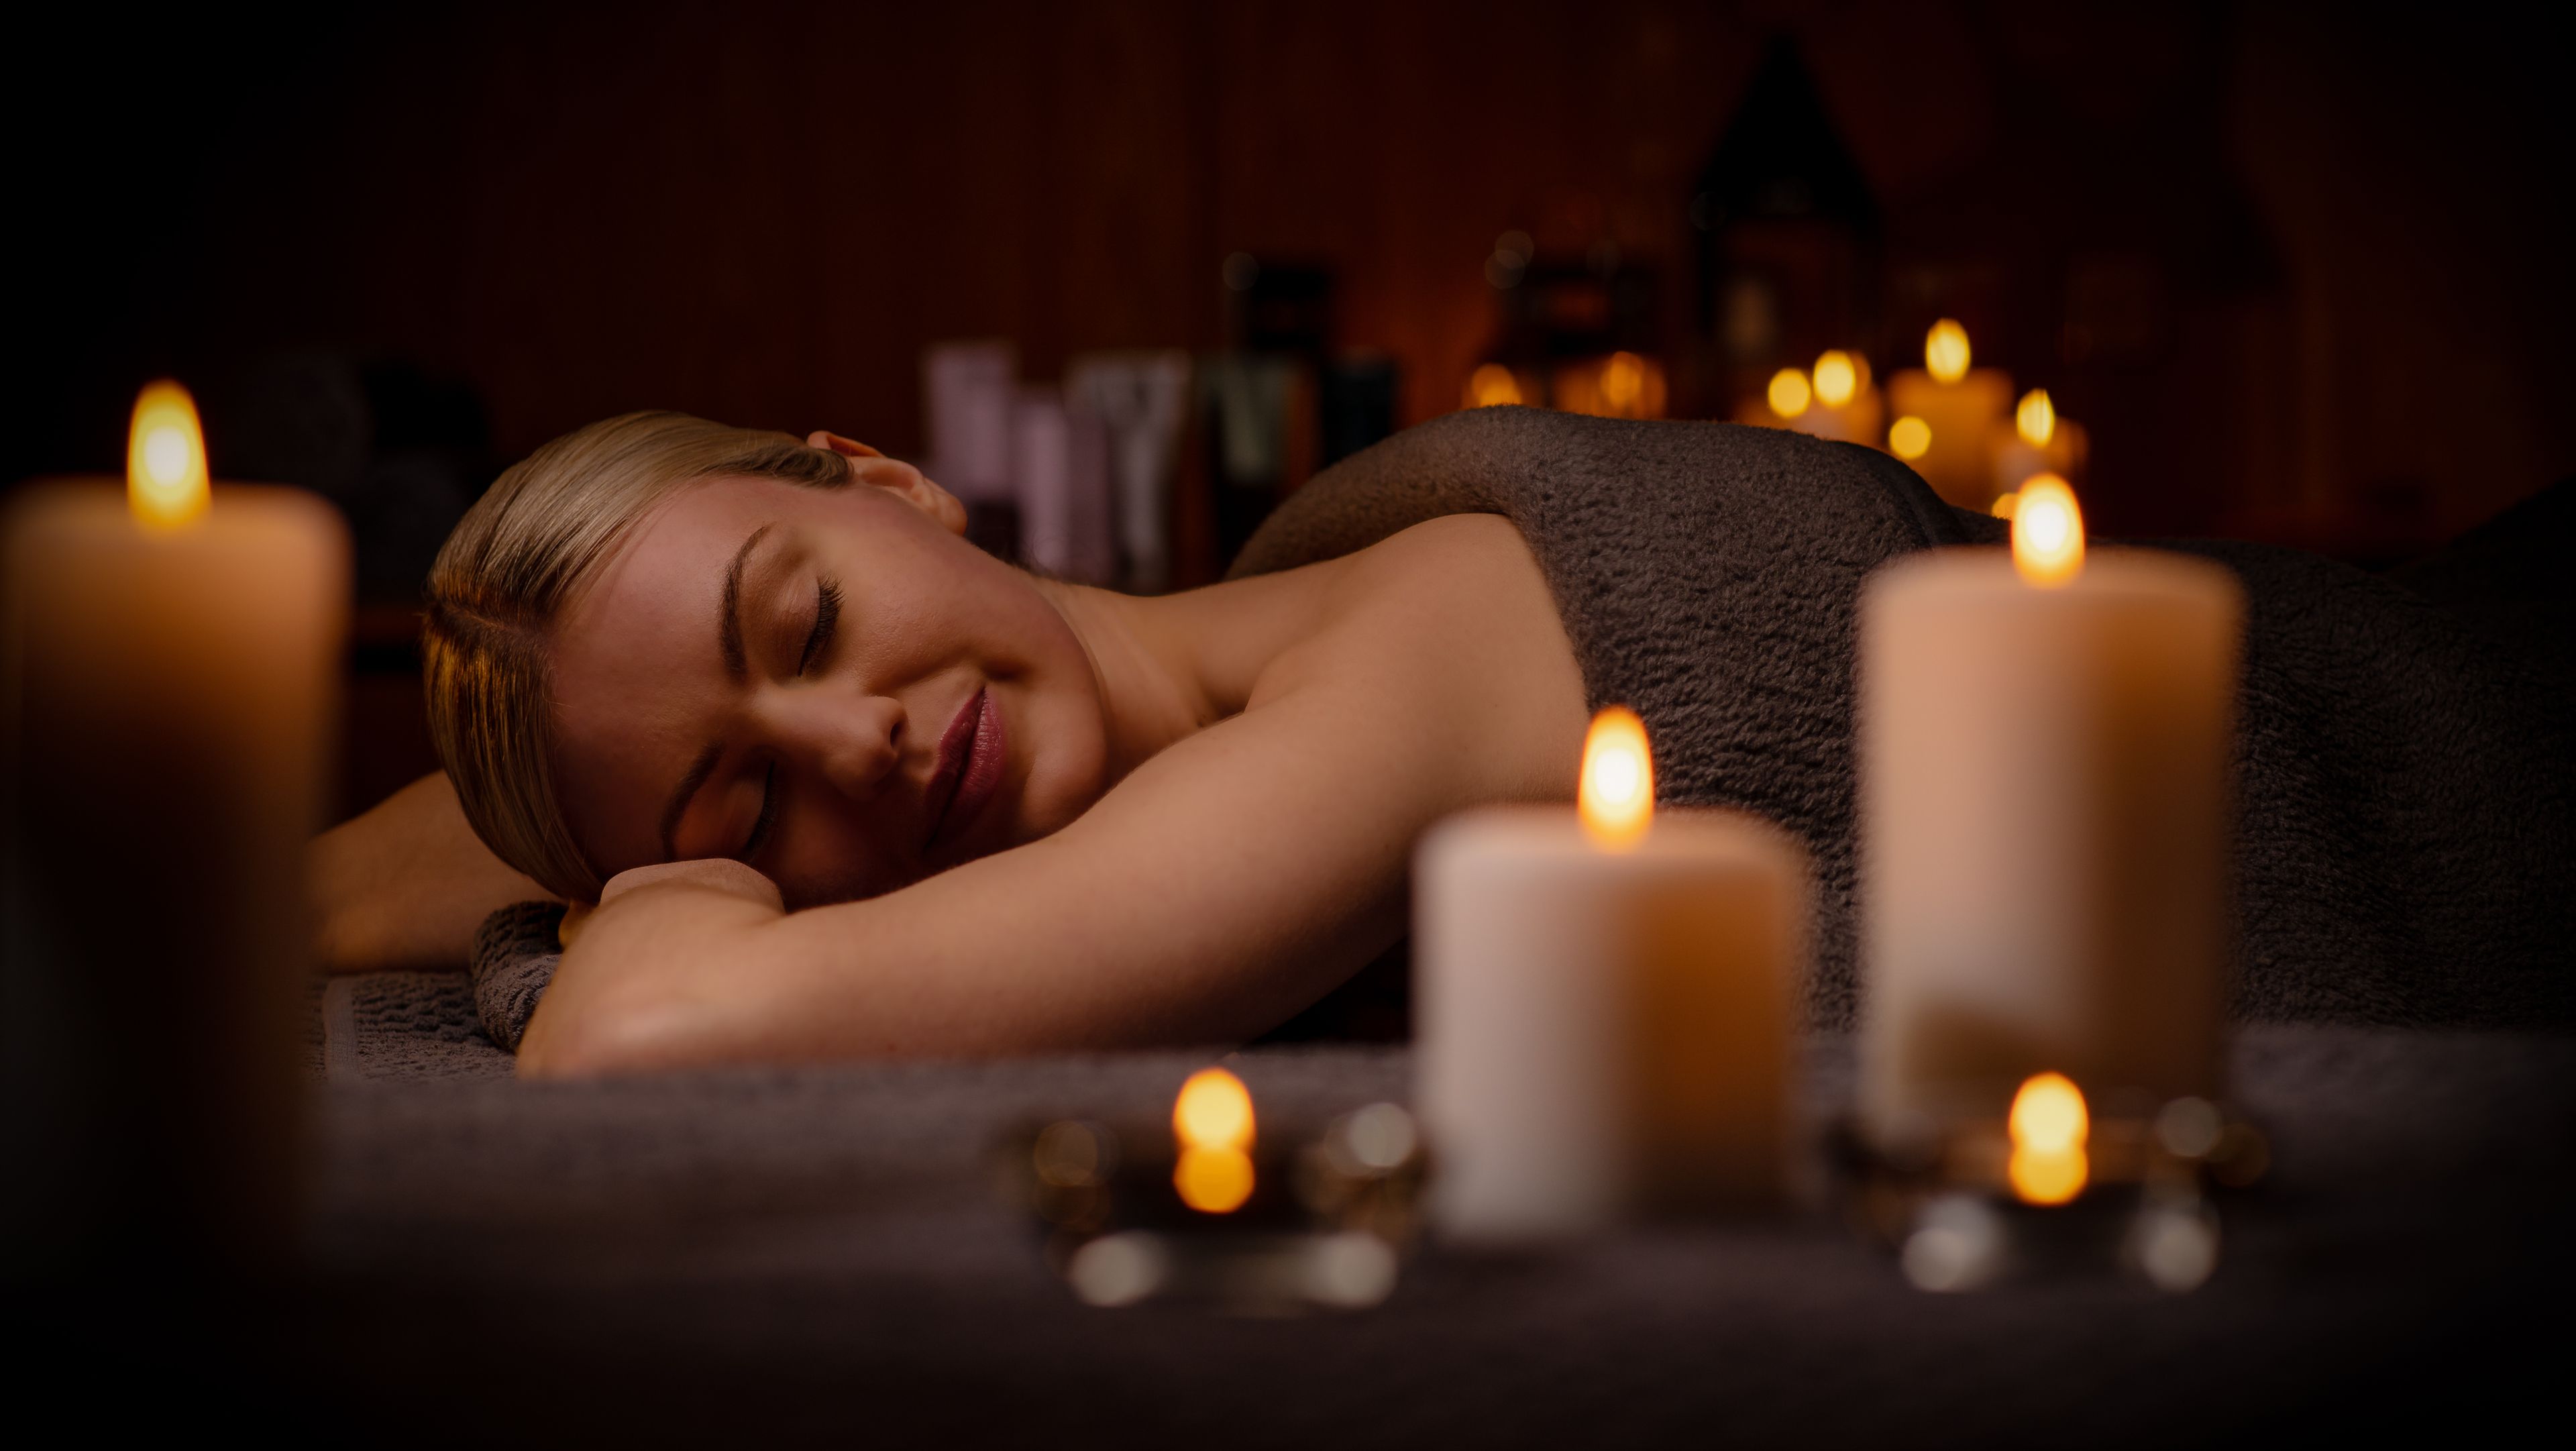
(1151, 690)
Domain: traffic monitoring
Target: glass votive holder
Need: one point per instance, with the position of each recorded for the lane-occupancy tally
(1128, 1217)
(1964, 1207)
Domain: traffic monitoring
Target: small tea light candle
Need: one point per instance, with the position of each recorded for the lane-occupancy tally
(2044, 745)
(1604, 998)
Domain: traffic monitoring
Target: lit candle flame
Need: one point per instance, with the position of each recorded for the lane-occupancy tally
(2036, 419)
(1909, 437)
(2048, 1127)
(1617, 796)
(1789, 393)
(165, 459)
(1836, 378)
(1212, 1122)
(1945, 351)
(2047, 532)
(1492, 386)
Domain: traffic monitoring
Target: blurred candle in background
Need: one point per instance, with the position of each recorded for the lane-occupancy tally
(1847, 405)
(1494, 386)
(1605, 1004)
(1962, 410)
(171, 669)
(1789, 394)
(2044, 747)
(2042, 442)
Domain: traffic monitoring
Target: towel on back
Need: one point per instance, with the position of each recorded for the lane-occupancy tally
(2406, 848)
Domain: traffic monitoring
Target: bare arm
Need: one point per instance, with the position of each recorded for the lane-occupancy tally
(1226, 883)
(406, 884)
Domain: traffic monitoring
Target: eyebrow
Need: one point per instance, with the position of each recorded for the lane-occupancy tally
(729, 646)
(729, 609)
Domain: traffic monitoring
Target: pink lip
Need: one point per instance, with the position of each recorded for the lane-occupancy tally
(969, 768)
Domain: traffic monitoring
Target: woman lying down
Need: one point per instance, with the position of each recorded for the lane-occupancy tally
(839, 783)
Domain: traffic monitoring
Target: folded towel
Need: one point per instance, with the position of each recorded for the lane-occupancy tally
(2406, 841)
(515, 953)
(403, 1025)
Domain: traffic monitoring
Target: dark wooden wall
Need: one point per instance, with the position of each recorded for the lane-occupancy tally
(762, 211)
(2354, 328)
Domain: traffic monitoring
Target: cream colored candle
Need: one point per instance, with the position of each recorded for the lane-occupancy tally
(2044, 746)
(1834, 400)
(171, 663)
(1957, 417)
(1604, 1005)
(2042, 442)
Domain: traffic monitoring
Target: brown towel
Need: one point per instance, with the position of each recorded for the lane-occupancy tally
(515, 952)
(2406, 842)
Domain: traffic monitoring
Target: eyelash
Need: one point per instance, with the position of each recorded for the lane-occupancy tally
(827, 617)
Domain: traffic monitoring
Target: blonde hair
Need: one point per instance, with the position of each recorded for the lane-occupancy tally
(515, 560)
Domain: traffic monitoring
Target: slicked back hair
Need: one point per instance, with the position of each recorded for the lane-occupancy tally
(516, 559)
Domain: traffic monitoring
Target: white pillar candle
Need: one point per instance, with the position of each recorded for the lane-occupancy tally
(169, 685)
(1604, 1014)
(2044, 745)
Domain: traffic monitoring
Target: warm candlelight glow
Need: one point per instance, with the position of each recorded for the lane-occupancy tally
(165, 458)
(1909, 437)
(2048, 1114)
(1945, 351)
(1212, 1121)
(2047, 532)
(1492, 386)
(2005, 504)
(1213, 1181)
(1623, 381)
(1617, 795)
(1788, 393)
(1836, 378)
(2048, 1128)
(1214, 1111)
(2036, 419)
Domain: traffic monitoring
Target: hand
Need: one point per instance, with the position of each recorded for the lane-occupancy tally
(721, 874)
(637, 997)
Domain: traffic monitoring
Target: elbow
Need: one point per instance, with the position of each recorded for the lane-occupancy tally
(614, 1039)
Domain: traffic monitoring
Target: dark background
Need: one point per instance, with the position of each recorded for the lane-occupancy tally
(2302, 271)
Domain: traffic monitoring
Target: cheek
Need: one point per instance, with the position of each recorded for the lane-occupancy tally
(826, 855)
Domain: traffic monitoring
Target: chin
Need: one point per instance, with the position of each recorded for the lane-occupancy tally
(1065, 770)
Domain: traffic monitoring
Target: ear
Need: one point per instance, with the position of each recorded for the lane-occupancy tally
(894, 476)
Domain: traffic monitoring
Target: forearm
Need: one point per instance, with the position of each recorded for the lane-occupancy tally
(656, 978)
(990, 959)
(406, 884)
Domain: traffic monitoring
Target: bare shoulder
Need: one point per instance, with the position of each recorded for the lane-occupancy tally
(1448, 628)
(1451, 549)
(1443, 584)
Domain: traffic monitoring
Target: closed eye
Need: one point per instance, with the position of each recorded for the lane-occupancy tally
(827, 617)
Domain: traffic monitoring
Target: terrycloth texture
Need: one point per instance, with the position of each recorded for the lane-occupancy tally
(405, 1025)
(2406, 840)
(515, 952)
(443, 1024)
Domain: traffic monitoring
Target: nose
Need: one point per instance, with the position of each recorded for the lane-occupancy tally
(852, 742)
